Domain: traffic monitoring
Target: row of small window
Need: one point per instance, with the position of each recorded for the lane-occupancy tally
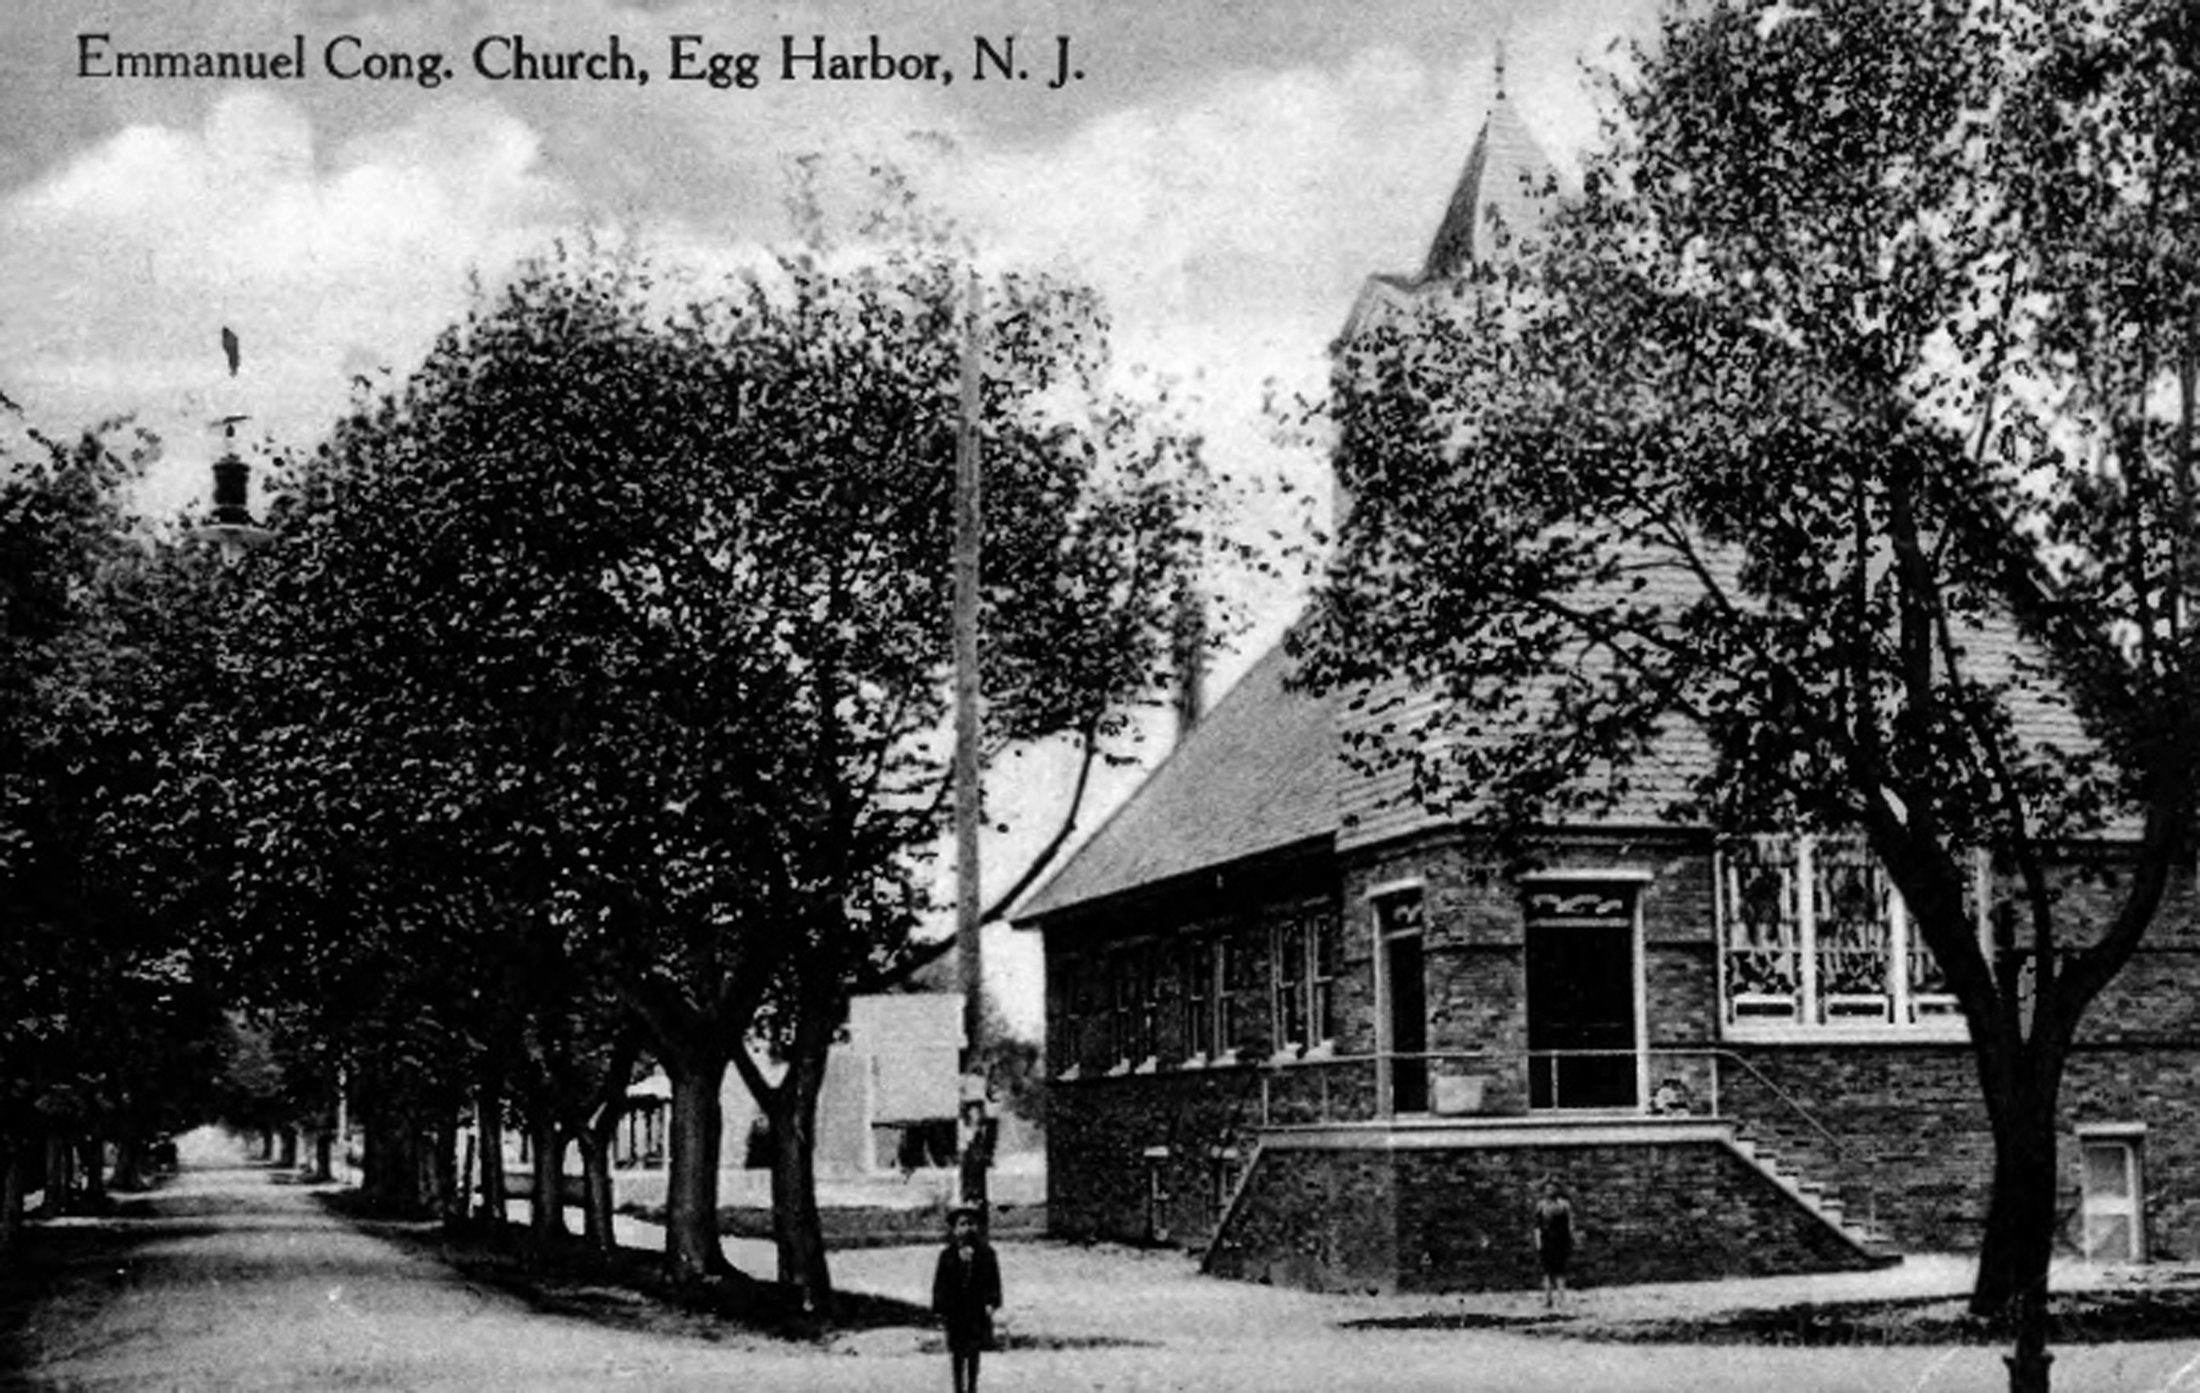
(1209, 998)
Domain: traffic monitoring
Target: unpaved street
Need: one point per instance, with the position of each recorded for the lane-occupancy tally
(237, 1281)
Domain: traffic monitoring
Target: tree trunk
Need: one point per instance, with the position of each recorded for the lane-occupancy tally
(793, 1108)
(393, 1161)
(595, 1147)
(288, 1159)
(466, 1176)
(95, 1174)
(130, 1162)
(692, 1249)
(12, 1166)
(324, 1156)
(489, 1121)
(60, 1188)
(375, 1160)
(797, 1227)
(440, 1172)
(2020, 1218)
(546, 1207)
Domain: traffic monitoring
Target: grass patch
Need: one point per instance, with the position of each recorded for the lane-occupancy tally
(866, 1226)
(2123, 1315)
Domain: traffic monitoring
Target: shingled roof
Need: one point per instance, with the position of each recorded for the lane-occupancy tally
(1258, 774)
(1267, 771)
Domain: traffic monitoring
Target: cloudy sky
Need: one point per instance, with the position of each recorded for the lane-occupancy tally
(1227, 171)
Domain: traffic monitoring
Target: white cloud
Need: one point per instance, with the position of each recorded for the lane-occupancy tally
(117, 271)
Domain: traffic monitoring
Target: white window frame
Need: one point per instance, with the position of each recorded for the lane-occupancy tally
(1132, 1007)
(1287, 943)
(1201, 982)
(1068, 987)
(1382, 929)
(1909, 1016)
(1306, 933)
(2128, 1139)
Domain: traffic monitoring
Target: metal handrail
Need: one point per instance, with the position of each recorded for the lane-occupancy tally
(1717, 1057)
(1782, 1094)
(1841, 1151)
(1251, 1102)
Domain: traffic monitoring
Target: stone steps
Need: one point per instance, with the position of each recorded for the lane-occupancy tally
(1872, 1242)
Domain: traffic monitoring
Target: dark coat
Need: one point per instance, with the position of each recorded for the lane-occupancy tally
(965, 1293)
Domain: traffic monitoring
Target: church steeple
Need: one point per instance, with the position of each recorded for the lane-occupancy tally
(1504, 183)
(1506, 175)
(1506, 172)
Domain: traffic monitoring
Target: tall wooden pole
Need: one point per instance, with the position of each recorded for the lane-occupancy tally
(969, 773)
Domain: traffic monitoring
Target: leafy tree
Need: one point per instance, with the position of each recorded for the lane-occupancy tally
(1844, 425)
(627, 615)
(86, 974)
(1096, 523)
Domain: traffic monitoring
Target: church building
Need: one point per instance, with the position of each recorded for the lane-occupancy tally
(1300, 1024)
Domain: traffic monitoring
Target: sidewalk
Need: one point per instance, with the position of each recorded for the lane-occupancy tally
(1066, 1293)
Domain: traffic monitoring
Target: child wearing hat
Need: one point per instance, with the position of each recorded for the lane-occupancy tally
(966, 1291)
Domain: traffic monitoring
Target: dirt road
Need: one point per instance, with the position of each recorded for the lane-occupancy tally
(230, 1279)
(234, 1281)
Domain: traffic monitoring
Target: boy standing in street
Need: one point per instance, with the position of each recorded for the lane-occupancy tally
(966, 1291)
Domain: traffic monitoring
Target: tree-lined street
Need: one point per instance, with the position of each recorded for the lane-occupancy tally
(233, 1278)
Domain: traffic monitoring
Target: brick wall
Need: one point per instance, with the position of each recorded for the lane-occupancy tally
(1911, 1140)
(1457, 1218)
(1101, 1177)
(1320, 1221)
(1910, 1147)
(1913, 1147)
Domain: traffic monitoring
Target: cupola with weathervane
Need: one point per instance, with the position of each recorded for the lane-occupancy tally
(232, 528)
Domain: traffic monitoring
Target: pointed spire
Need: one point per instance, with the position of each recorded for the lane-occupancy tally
(1506, 171)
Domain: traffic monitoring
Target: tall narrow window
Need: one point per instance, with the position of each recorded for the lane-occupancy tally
(1399, 932)
(1197, 979)
(1063, 1025)
(1303, 956)
(1150, 968)
(1853, 917)
(1328, 955)
(1241, 991)
(1761, 906)
(1132, 1015)
(1096, 1033)
(1289, 983)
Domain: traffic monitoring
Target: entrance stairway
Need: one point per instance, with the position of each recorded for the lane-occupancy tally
(1428, 1203)
(1874, 1242)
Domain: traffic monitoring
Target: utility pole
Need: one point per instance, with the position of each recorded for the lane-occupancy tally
(973, 1131)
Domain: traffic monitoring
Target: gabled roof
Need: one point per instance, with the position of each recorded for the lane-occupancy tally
(1267, 770)
(1258, 774)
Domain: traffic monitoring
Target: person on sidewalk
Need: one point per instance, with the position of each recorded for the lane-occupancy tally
(1554, 1240)
(966, 1291)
